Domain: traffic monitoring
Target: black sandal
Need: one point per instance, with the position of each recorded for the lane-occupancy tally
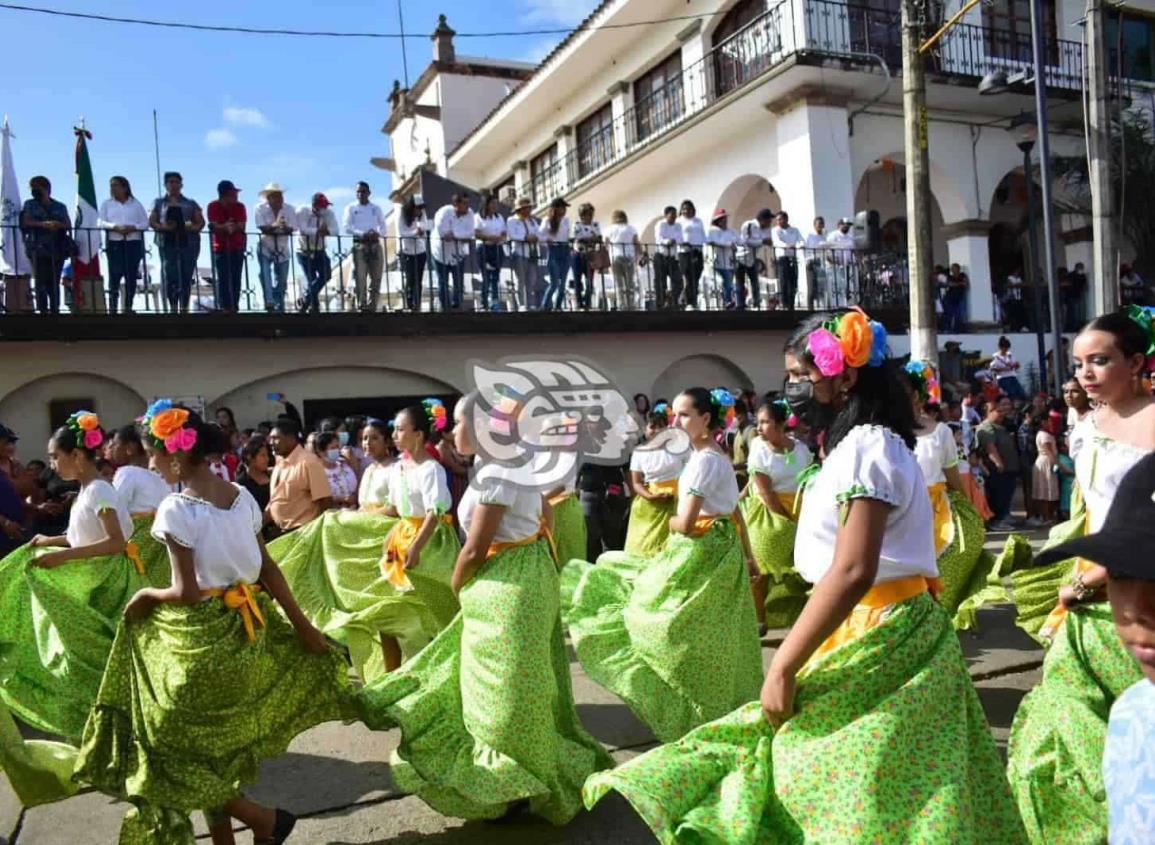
(282, 827)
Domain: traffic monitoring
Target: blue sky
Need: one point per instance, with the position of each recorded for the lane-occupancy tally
(303, 111)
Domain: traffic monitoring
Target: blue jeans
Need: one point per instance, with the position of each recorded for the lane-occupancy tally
(747, 280)
(178, 265)
(727, 276)
(557, 263)
(124, 259)
(583, 279)
(317, 269)
(491, 258)
(274, 291)
(953, 306)
(443, 272)
(230, 267)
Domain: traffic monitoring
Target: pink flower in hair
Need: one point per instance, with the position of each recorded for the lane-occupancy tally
(182, 440)
(827, 352)
(93, 438)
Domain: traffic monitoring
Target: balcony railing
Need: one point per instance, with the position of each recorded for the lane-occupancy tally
(810, 30)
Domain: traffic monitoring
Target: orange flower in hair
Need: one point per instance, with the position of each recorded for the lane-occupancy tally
(167, 423)
(856, 336)
(88, 422)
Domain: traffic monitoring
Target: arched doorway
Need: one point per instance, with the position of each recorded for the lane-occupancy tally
(745, 196)
(707, 371)
(882, 188)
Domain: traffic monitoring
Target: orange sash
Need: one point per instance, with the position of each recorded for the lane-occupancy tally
(669, 488)
(241, 597)
(872, 607)
(943, 524)
(704, 523)
(497, 547)
(377, 509)
(554, 501)
(397, 545)
(132, 552)
(789, 502)
(1055, 617)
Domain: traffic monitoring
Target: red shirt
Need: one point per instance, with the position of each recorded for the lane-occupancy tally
(234, 213)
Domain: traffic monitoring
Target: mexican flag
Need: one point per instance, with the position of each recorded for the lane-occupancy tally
(86, 265)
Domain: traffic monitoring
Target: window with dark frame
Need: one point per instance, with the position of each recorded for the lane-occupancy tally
(1138, 46)
(595, 141)
(658, 101)
(743, 46)
(545, 176)
(1007, 30)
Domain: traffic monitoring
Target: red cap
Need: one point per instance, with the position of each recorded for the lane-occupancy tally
(719, 213)
(321, 200)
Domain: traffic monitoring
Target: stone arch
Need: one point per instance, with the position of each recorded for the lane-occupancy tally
(882, 188)
(250, 402)
(745, 196)
(701, 370)
(25, 409)
(944, 186)
(648, 234)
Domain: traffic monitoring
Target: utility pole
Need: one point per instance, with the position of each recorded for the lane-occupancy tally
(923, 324)
(1105, 269)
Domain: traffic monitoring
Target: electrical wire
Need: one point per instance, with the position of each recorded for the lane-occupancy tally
(248, 30)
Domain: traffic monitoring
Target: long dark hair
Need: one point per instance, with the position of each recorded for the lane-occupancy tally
(880, 395)
(1130, 339)
(122, 180)
(409, 211)
(704, 403)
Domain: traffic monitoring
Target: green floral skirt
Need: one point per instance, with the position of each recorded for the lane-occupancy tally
(333, 566)
(888, 746)
(772, 539)
(39, 771)
(964, 565)
(56, 630)
(153, 553)
(674, 636)
(649, 525)
(569, 530)
(1055, 755)
(486, 711)
(190, 706)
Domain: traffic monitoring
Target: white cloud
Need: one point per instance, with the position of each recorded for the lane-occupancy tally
(240, 116)
(561, 12)
(219, 139)
(338, 194)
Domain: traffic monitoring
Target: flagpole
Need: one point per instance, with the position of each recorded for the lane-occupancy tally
(156, 150)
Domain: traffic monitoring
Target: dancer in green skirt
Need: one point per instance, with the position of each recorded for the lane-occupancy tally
(675, 635)
(206, 678)
(568, 522)
(654, 471)
(959, 532)
(771, 505)
(141, 492)
(869, 729)
(1057, 738)
(336, 565)
(61, 597)
(486, 711)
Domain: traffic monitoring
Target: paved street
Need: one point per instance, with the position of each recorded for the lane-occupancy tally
(337, 777)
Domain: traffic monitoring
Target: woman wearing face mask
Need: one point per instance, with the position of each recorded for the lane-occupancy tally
(696, 655)
(1057, 738)
(654, 480)
(342, 478)
(778, 466)
(869, 728)
(336, 567)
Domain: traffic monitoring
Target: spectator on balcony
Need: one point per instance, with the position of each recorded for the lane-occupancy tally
(554, 232)
(752, 237)
(412, 231)
(954, 301)
(624, 247)
(667, 275)
(227, 217)
(317, 222)
(178, 222)
(841, 245)
(365, 221)
(523, 234)
(454, 227)
(125, 220)
(690, 258)
(587, 238)
(786, 240)
(277, 223)
(491, 234)
(1132, 287)
(723, 241)
(1073, 293)
(816, 254)
(45, 224)
(1014, 306)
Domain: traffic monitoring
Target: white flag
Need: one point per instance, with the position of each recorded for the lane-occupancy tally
(13, 259)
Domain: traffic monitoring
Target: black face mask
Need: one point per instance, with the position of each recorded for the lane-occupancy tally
(800, 396)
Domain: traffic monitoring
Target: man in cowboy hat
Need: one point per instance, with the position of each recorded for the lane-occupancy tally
(277, 223)
(317, 222)
(522, 231)
(723, 240)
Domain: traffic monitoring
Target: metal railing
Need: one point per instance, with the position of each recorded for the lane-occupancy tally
(507, 277)
(820, 28)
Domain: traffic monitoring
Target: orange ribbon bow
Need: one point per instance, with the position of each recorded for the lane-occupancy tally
(241, 597)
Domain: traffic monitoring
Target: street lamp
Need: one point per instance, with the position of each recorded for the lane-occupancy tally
(1026, 132)
(997, 83)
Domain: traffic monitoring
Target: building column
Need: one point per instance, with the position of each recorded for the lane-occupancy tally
(968, 246)
(695, 83)
(565, 146)
(621, 101)
(521, 180)
(814, 176)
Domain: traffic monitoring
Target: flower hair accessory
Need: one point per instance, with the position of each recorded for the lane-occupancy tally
(1144, 316)
(924, 381)
(86, 426)
(436, 413)
(665, 409)
(851, 339)
(784, 407)
(724, 401)
(164, 425)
